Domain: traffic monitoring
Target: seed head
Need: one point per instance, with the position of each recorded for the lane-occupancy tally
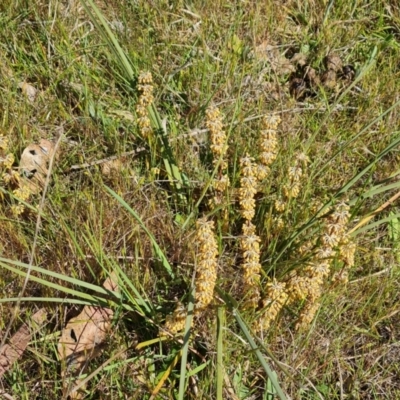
(206, 264)
(146, 98)
(176, 322)
(276, 297)
(251, 267)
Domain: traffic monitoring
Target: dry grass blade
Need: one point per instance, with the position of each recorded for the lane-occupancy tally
(377, 211)
(11, 352)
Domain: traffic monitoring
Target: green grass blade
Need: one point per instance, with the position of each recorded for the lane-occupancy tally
(156, 247)
(220, 351)
(377, 190)
(176, 178)
(110, 38)
(185, 347)
(270, 373)
(375, 224)
(74, 281)
(105, 261)
(55, 286)
(66, 300)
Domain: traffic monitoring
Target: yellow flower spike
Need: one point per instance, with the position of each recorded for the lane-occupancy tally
(249, 243)
(218, 148)
(8, 161)
(206, 264)
(268, 140)
(217, 135)
(145, 86)
(251, 267)
(3, 142)
(248, 188)
(307, 315)
(310, 286)
(280, 205)
(176, 322)
(275, 299)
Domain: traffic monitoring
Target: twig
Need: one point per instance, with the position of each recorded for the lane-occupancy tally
(338, 107)
(372, 275)
(103, 160)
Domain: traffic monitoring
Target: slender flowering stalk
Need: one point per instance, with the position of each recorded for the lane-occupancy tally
(250, 242)
(268, 144)
(275, 299)
(205, 278)
(176, 322)
(292, 188)
(146, 98)
(347, 249)
(248, 188)
(206, 264)
(310, 285)
(251, 267)
(217, 135)
(218, 147)
(8, 175)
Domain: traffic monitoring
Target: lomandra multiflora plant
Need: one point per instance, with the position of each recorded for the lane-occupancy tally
(266, 294)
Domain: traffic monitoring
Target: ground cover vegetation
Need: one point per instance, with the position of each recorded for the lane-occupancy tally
(199, 200)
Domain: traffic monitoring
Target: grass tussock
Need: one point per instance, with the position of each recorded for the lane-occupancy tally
(232, 162)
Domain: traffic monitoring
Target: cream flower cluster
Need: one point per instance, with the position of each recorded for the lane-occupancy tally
(176, 322)
(146, 98)
(218, 147)
(9, 175)
(292, 188)
(251, 267)
(248, 188)
(268, 144)
(249, 242)
(316, 273)
(273, 302)
(206, 264)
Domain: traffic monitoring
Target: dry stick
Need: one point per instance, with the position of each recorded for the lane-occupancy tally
(32, 253)
(363, 278)
(103, 160)
(377, 211)
(197, 131)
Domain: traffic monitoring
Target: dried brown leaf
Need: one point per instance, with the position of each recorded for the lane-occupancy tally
(111, 167)
(11, 352)
(81, 340)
